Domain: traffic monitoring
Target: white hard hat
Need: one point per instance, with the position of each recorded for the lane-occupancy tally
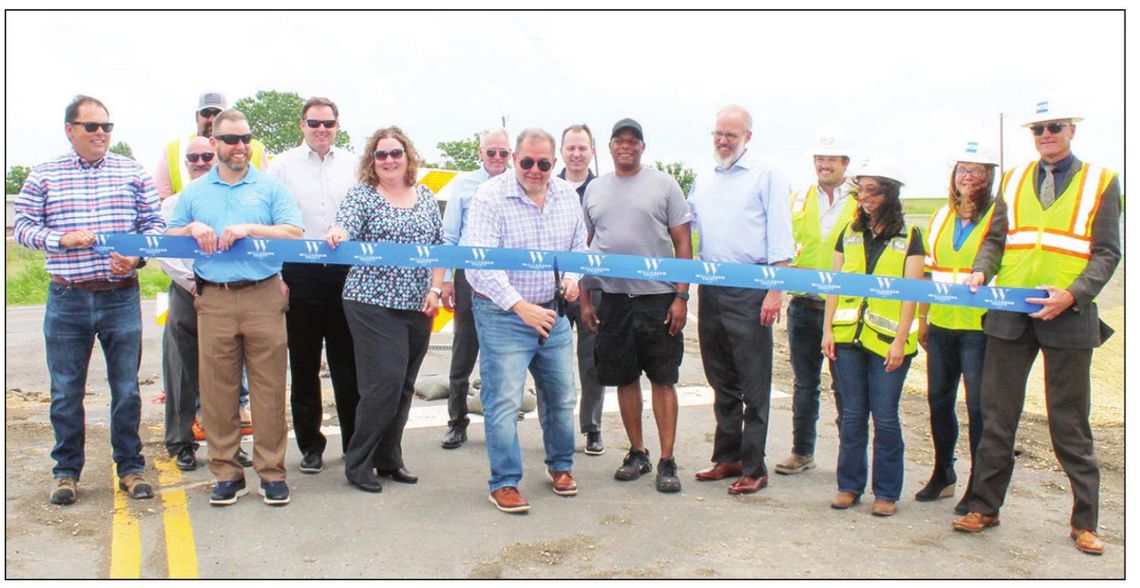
(1046, 111)
(880, 167)
(975, 152)
(832, 141)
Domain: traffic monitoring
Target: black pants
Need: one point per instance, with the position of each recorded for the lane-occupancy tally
(180, 370)
(390, 346)
(316, 319)
(593, 393)
(736, 351)
(1067, 398)
(464, 351)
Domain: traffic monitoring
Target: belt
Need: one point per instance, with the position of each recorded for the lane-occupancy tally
(237, 285)
(549, 304)
(811, 303)
(97, 285)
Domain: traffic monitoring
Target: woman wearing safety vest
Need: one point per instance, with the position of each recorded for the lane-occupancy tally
(952, 335)
(871, 339)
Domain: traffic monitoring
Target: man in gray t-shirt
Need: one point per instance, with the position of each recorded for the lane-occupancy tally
(639, 211)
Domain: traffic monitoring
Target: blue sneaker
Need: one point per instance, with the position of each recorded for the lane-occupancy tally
(275, 493)
(227, 493)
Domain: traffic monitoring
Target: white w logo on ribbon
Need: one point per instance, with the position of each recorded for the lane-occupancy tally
(884, 283)
(942, 288)
(102, 239)
(152, 242)
(826, 277)
(423, 250)
(312, 246)
(536, 256)
(260, 244)
(595, 260)
(711, 268)
(651, 264)
(367, 248)
(997, 293)
(480, 254)
(769, 272)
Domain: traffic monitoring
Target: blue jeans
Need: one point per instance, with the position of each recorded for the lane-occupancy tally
(72, 320)
(507, 348)
(805, 333)
(870, 390)
(950, 355)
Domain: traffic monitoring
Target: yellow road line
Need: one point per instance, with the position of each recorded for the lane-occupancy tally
(181, 553)
(126, 545)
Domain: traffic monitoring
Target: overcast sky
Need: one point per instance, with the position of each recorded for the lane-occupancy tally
(912, 86)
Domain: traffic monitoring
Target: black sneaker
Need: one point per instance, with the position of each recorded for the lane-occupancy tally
(185, 459)
(634, 464)
(667, 480)
(311, 463)
(227, 493)
(456, 434)
(594, 444)
(274, 493)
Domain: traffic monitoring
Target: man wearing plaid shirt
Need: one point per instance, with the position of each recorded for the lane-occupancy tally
(515, 315)
(62, 206)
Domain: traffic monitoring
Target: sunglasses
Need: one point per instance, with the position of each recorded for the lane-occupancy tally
(543, 164)
(501, 152)
(1039, 129)
(209, 112)
(233, 139)
(381, 155)
(314, 123)
(205, 157)
(91, 127)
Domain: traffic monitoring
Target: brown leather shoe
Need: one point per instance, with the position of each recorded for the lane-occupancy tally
(564, 484)
(882, 508)
(844, 500)
(1087, 541)
(748, 485)
(975, 522)
(508, 499)
(720, 471)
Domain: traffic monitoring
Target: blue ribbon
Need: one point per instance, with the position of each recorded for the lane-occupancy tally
(666, 269)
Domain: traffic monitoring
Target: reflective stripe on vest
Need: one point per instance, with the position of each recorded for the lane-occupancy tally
(873, 322)
(951, 266)
(813, 250)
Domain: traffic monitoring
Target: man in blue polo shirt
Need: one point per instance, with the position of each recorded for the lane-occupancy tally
(241, 303)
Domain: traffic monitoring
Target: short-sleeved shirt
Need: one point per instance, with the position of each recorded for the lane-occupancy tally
(366, 215)
(873, 247)
(632, 215)
(256, 198)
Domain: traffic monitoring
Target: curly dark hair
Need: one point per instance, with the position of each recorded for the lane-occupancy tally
(366, 173)
(890, 214)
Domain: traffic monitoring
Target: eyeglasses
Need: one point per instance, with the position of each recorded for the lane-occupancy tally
(314, 123)
(969, 171)
(382, 155)
(193, 157)
(500, 152)
(209, 112)
(90, 127)
(724, 135)
(543, 164)
(233, 139)
(1039, 129)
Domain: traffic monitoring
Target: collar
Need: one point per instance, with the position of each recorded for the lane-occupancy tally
(589, 175)
(252, 176)
(310, 152)
(746, 162)
(84, 164)
(1062, 166)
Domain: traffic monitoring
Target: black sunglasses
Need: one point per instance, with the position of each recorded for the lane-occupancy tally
(90, 127)
(208, 112)
(382, 155)
(501, 152)
(314, 123)
(233, 139)
(543, 164)
(193, 157)
(1039, 129)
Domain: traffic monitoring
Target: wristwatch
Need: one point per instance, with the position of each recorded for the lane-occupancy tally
(682, 295)
(438, 292)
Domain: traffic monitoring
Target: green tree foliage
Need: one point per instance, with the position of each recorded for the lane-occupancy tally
(14, 179)
(462, 154)
(274, 119)
(682, 174)
(122, 148)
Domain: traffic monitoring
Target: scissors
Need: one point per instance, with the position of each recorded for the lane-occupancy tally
(559, 296)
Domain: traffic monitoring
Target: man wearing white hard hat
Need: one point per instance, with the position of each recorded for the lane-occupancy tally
(819, 213)
(952, 335)
(1055, 227)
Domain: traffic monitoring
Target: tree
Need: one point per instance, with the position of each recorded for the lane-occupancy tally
(462, 154)
(14, 179)
(122, 148)
(682, 174)
(274, 119)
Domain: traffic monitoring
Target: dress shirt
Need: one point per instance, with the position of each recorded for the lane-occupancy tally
(829, 213)
(112, 195)
(256, 198)
(318, 185)
(742, 213)
(502, 215)
(458, 193)
(181, 271)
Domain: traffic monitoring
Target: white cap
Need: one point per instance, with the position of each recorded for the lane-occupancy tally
(880, 167)
(975, 152)
(1046, 111)
(832, 141)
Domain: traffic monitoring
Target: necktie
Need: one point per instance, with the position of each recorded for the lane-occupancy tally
(1048, 187)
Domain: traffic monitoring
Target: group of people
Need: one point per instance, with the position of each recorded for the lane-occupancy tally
(238, 323)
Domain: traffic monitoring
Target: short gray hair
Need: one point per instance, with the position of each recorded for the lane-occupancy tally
(496, 131)
(535, 133)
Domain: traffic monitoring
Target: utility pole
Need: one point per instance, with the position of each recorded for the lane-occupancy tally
(1001, 144)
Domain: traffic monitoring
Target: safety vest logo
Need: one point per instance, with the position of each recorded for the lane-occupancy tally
(711, 273)
(537, 261)
(651, 268)
(594, 265)
(942, 293)
(153, 247)
(423, 255)
(769, 277)
(312, 251)
(884, 287)
(367, 255)
(478, 259)
(260, 249)
(826, 282)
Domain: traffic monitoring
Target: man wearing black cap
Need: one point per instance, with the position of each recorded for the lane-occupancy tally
(639, 211)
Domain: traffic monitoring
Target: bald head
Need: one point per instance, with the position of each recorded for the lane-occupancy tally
(196, 149)
(731, 135)
(498, 143)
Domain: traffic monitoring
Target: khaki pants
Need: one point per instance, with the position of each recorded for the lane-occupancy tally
(236, 326)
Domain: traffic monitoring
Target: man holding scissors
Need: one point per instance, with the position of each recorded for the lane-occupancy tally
(517, 315)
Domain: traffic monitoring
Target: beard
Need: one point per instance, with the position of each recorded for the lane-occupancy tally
(726, 162)
(236, 166)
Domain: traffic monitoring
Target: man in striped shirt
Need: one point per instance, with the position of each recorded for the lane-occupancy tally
(63, 205)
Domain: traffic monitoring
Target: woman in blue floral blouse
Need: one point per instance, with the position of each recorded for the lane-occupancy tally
(389, 309)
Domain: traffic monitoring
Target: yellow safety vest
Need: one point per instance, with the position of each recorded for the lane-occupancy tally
(954, 267)
(175, 150)
(873, 322)
(1049, 247)
(812, 250)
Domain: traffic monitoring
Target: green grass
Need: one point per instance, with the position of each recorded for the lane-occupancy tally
(925, 207)
(26, 282)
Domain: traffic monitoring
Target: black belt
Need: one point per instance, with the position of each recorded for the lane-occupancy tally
(549, 304)
(811, 303)
(97, 285)
(237, 285)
